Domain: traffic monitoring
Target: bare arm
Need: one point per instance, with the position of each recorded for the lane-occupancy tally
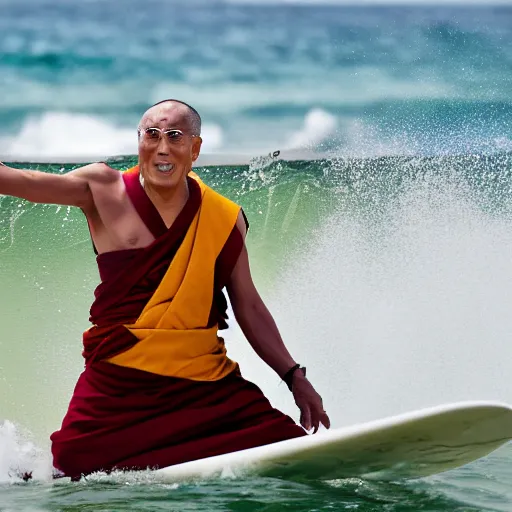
(71, 189)
(254, 318)
(262, 333)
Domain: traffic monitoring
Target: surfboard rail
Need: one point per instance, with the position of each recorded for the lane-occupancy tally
(409, 445)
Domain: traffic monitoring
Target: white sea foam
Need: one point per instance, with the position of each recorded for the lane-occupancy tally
(18, 455)
(347, 136)
(63, 135)
(318, 126)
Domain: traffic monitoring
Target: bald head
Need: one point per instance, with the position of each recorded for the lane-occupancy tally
(190, 114)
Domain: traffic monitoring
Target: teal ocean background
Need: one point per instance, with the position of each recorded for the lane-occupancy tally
(380, 235)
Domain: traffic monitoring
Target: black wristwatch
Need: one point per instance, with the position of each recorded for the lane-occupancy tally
(288, 376)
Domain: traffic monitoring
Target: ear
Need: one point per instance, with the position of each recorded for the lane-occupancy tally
(196, 147)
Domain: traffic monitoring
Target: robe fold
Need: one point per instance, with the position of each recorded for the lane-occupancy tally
(158, 387)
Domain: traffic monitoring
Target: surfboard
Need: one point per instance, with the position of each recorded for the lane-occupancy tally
(407, 446)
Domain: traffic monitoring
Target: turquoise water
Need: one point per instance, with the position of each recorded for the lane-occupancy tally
(384, 256)
(76, 77)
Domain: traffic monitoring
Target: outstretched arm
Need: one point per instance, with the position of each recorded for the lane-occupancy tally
(70, 189)
(261, 331)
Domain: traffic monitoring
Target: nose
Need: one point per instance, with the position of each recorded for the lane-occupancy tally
(163, 145)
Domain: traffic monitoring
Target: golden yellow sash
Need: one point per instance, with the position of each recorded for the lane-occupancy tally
(172, 333)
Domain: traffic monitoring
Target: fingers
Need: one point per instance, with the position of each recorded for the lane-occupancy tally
(316, 418)
(311, 417)
(305, 417)
(311, 407)
(326, 422)
(318, 415)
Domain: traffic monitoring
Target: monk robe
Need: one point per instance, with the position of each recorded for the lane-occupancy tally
(158, 388)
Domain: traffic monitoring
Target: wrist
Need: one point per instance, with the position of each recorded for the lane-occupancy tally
(291, 374)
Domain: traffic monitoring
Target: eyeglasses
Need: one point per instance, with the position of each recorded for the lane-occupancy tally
(153, 135)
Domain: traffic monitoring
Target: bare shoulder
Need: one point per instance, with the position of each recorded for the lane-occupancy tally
(89, 181)
(98, 172)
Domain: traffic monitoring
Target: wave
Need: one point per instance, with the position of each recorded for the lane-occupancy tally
(364, 86)
(318, 126)
(378, 271)
(65, 135)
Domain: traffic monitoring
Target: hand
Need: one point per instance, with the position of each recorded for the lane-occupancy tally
(309, 402)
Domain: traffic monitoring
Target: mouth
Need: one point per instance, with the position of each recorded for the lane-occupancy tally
(165, 168)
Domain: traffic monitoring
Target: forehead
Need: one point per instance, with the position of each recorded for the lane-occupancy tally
(167, 115)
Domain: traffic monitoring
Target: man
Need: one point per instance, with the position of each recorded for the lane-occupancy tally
(158, 388)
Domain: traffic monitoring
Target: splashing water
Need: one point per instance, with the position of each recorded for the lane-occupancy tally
(19, 457)
(404, 305)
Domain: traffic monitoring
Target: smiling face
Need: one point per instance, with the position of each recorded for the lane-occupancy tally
(168, 144)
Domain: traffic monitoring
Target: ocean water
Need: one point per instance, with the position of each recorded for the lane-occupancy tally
(384, 253)
(76, 77)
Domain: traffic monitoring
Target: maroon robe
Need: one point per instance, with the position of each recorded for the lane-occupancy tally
(123, 418)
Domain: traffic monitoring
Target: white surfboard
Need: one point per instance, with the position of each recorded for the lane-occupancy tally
(410, 445)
